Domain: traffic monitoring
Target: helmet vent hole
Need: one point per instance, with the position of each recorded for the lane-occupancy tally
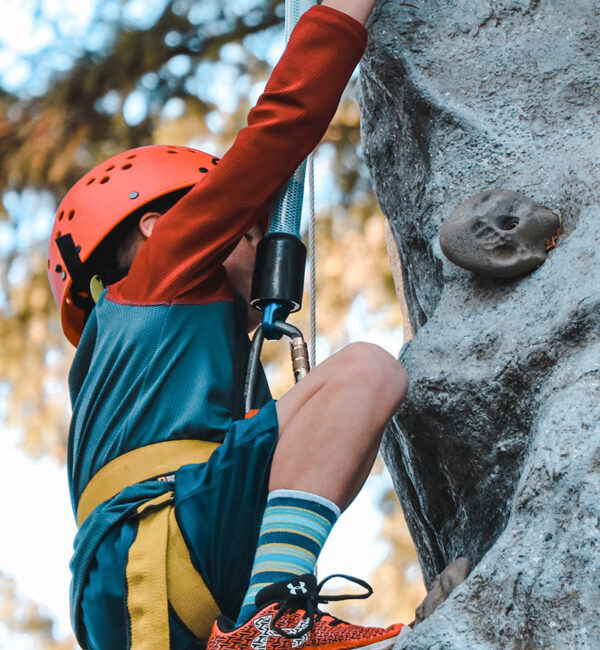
(202, 169)
(127, 166)
(48, 265)
(215, 161)
(61, 214)
(105, 180)
(130, 157)
(109, 168)
(171, 151)
(71, 215)
(58, 234)
(192, 150)
(91, 181)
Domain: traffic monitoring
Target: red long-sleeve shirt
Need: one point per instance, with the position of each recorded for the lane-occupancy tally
(182, 260)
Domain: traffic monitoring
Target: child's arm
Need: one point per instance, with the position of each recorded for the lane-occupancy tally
(182, 260)
(358, 9)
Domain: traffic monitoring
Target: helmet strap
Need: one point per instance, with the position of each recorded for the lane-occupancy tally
(80, 275)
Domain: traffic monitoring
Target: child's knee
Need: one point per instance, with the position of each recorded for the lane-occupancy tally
(378, 372)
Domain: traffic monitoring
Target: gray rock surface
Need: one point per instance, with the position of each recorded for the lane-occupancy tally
(495, 453)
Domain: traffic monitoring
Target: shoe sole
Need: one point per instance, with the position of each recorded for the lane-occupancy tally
(380, 645)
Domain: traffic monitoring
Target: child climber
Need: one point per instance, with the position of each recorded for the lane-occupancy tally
(188, 511)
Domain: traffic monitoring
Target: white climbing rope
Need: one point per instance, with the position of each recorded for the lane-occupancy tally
(312, 262)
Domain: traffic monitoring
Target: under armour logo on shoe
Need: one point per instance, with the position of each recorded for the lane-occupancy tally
(265, 632)
(297, 589)
(263, 625)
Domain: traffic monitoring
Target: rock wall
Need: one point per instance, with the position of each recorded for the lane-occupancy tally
(495, 453)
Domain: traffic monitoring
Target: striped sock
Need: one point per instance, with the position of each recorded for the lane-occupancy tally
(294, 528)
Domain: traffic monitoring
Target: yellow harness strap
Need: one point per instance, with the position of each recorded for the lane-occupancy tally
(147, 577)
(139, 465)
(159, 568)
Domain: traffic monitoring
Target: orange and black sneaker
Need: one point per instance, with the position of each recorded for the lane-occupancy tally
(288, 617)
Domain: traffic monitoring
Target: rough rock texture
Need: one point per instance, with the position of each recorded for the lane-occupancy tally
(495, 453)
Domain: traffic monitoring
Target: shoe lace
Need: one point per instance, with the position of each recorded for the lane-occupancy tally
(310, 603)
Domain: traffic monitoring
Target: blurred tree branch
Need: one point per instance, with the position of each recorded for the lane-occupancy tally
(51, 141)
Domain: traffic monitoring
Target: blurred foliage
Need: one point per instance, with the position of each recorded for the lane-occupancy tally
(51, 141)
(50, 137)
(399, 568)
(34, 360)
(23, 617)
(397, 582)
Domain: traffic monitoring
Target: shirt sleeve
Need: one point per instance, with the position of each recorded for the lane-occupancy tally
(182, 260)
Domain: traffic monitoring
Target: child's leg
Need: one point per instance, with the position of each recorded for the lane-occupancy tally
(331, 423)
(330, 428)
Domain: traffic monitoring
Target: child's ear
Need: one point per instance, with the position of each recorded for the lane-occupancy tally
(147, 223)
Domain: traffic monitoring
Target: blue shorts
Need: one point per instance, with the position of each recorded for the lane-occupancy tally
(219, 506)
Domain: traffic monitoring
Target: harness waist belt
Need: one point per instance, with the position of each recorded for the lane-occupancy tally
(140, 465)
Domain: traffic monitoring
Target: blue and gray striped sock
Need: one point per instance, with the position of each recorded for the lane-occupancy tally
(294, 528)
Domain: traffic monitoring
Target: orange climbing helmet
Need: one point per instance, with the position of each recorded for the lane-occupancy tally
(97, 204)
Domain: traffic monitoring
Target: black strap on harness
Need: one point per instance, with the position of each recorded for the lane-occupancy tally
(80, 274)
(240, 361)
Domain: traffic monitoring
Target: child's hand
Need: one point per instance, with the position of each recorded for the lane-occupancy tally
(358, 9)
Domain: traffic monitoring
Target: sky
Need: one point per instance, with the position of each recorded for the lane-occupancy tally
(39, 560)
(23, 36)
